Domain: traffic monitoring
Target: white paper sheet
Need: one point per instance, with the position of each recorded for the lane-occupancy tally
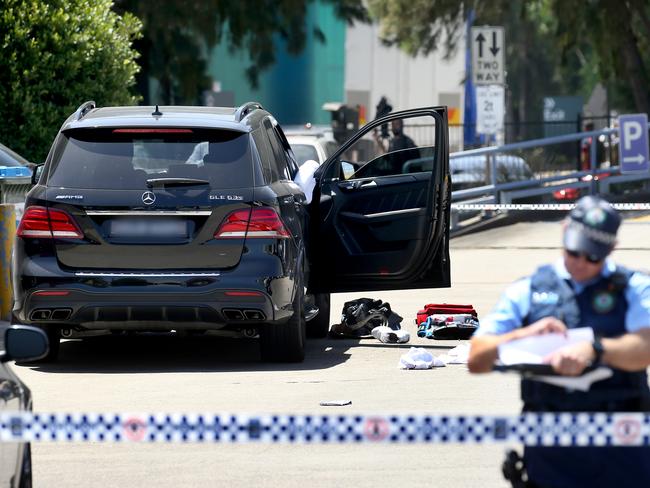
(532, 350)
(581, 383)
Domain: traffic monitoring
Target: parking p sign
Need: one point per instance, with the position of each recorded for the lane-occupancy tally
(633, 145)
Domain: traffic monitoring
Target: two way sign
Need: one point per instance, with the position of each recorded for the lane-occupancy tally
(488, 58)
(633, 143)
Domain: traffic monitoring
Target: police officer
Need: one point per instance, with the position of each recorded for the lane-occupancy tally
(583, 289)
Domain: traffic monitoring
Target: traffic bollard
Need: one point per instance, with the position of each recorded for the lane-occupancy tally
(7, 234)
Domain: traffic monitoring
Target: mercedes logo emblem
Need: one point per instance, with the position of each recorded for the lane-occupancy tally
(148, 198)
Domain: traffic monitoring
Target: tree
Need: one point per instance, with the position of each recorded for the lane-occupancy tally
(619, 34)
(178, 35)
(566, 37)
(56, 54)
(422, 26)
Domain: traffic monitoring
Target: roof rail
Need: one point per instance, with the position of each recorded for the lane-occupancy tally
(83, 109)
(245, 109)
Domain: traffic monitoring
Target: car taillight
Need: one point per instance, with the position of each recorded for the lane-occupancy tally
(255, 223)
(48, 223)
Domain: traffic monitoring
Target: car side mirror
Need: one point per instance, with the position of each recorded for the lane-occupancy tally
(347, 169)
(25, 343)
(36, 173)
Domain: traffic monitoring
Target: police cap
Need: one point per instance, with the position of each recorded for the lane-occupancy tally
(591, 227)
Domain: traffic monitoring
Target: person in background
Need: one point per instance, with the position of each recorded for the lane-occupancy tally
(398, 141)
(584, 288)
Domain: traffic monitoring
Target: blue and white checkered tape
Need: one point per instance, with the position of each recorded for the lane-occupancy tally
(539, 206)
(544, 429)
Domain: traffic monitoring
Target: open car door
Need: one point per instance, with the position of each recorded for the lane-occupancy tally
(381, 207)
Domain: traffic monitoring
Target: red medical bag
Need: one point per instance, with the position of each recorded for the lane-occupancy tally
(444, 308)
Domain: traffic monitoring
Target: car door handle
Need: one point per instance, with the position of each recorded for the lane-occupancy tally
(368, 184)
(357, 185)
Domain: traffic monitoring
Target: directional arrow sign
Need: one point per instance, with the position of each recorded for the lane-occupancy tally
(633, 144)
(488, 60)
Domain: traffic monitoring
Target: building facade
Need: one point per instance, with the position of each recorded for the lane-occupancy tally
(352, 67)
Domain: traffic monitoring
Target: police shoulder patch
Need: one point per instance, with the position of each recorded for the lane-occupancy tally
(545, 298)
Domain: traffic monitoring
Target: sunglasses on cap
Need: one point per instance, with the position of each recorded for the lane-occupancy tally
(576, 254)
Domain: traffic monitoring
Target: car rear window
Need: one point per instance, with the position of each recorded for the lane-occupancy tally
(125, 158)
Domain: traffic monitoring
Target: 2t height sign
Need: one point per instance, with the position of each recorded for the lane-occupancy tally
(488, 59)
(490, 109)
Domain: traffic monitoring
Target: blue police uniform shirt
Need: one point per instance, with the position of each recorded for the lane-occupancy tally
(514, 304)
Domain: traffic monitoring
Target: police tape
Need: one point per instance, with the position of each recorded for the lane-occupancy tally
(534, 429)
(539, 206)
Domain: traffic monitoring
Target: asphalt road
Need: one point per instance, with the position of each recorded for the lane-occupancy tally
(152, 374)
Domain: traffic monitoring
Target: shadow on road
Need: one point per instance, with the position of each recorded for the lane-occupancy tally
(173, 354)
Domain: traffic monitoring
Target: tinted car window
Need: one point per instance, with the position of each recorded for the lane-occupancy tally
(279, 163)
(108, 159)
(409, 148)
(304, 153)
(290, 164)
(330, 148)
(265, 152)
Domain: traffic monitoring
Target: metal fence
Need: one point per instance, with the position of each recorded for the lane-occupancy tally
(13, 189)
(501, 175)
(570, 155)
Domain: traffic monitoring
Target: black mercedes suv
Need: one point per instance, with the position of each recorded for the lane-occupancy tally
(189, 219)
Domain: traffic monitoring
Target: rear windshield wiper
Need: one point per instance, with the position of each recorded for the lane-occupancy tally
(163, 182)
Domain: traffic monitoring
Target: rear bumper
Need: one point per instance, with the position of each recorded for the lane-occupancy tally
(105, 300)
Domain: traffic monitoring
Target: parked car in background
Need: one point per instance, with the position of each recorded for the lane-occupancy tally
(311, 142)
(571, 193)
(472, 171)
(13, 164)
(17, 343)
(189, 218)
(12, 158)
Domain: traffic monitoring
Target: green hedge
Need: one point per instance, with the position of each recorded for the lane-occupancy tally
(54, 55)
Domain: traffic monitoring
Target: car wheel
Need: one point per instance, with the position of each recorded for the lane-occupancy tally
(26, 468)
(286, 342)
(319, 326)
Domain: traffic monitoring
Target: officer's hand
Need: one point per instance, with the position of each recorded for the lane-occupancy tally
(571, 360)
(547, 325)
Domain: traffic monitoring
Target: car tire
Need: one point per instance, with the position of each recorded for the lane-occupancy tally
(285, 343)
(26, 468)
(319, 326)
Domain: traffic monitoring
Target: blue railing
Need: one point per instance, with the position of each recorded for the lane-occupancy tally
(498, 174)
(487, 170)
